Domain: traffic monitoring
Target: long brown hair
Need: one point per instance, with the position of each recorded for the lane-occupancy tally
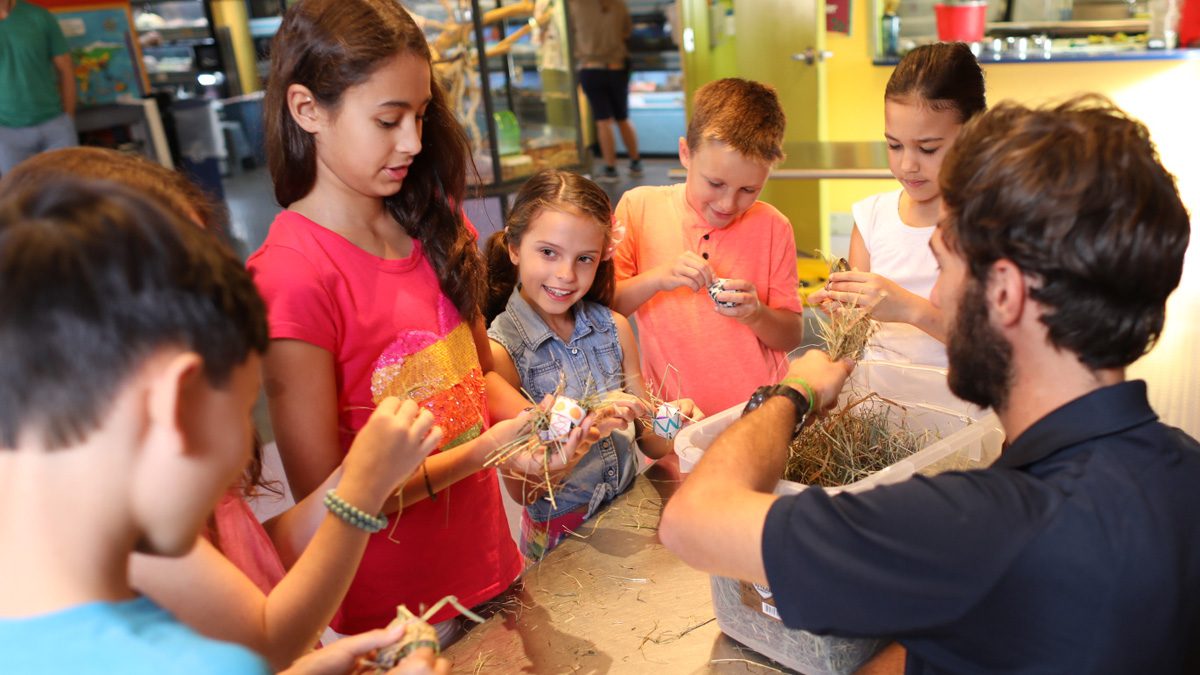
(548, 189)
(331, 45)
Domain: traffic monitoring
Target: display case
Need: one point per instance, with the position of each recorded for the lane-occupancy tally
(265, 17)
(656, 96)
(179, 47)
(517, 103)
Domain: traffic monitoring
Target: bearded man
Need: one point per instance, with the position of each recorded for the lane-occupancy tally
(1078, 551)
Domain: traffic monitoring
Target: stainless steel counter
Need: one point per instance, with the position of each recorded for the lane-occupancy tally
(818, 160)
(611, 600)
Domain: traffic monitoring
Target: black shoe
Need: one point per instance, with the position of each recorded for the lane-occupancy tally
(635, 169)
(609, 175)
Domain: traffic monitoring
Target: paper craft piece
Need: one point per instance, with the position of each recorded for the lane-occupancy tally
(718, 286)
(667, 420)
(565, 415)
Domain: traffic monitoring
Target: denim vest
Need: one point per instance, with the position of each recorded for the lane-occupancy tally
(592, 354)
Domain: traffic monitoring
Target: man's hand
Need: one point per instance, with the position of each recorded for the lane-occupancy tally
(824, 376)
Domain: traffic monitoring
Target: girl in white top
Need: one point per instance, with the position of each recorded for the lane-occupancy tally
(934, 90)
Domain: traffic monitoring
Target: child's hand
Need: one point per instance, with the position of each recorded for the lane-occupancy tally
(884, 298)
(555, 458)
(391, 445)
(504, 432)
(689, 270)
(820, 300)
(422, 662)
(534, 460)
(619, 411)
(688, 410)
(341, 657)
(743, 293)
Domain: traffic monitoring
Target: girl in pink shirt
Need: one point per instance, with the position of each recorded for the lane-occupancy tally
(372, 279)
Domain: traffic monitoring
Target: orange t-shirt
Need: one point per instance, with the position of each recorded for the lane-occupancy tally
(688, 350)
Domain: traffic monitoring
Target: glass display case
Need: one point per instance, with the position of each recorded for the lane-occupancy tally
(179, 46)
(656, 95)
(265, 17)
(517, 103)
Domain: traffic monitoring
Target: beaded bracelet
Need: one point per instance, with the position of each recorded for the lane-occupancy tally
(428, 484)
(808, 390)
(353, 515)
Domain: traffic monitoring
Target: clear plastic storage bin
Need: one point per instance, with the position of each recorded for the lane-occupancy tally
(970, 438)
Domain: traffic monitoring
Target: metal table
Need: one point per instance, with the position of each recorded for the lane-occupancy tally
(611, 599)
(818, 160)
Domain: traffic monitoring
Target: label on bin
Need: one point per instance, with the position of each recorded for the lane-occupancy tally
(759, 598)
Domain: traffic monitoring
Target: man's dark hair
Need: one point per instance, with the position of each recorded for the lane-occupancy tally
(93, 280)
(1075, 196)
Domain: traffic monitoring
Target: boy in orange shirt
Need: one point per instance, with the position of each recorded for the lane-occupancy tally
(681, 238)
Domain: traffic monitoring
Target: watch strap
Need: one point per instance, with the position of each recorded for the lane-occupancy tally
(798, 400)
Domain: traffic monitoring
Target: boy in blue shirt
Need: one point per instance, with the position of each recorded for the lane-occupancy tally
(130, 345)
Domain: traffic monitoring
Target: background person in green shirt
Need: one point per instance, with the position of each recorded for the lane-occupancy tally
(37, 84)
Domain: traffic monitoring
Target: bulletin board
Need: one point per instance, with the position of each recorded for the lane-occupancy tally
(104, 51)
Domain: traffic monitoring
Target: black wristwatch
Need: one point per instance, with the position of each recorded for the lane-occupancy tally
(767, 391)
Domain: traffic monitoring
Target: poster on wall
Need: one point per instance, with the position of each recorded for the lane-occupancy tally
(837, 16)
(101, 44)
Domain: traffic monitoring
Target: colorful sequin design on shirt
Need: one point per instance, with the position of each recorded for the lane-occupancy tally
(441, 374)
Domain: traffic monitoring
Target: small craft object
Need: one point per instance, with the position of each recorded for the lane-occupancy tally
(718, 286)
(667, 420)
(418, 634)
(565, 415)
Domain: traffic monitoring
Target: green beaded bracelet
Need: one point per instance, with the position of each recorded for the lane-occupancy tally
(352, 515)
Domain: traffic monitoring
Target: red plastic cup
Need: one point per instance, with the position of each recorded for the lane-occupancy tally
(961, 22)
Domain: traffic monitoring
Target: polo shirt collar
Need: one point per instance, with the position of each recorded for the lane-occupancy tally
(692, 220)
(1106, 411)
(534, 331)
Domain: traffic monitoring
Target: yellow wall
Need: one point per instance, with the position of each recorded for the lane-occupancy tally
(232, 14)
(1165, 95)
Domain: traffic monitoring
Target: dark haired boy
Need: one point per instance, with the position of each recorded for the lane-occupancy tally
(129, 345)
(1079, 550)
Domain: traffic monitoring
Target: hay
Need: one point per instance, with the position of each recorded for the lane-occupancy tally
(418, 634)
(864, 437)
(845, 328)
(846, 331)
(529, 440)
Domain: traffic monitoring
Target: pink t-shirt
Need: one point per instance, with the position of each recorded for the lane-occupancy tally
(392, 331)
(688, 350)
(242, 539)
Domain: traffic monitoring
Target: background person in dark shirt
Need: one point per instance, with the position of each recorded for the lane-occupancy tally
(1079, 551)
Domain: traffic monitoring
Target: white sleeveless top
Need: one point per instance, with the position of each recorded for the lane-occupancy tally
(900, 253)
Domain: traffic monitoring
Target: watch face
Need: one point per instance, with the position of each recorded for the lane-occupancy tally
(756, 400)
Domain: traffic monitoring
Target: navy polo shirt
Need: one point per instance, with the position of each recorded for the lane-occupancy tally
(1077, 552)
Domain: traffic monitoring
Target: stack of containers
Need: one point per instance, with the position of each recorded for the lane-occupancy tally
(970, 438)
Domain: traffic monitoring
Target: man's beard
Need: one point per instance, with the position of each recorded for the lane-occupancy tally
(980, 358)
